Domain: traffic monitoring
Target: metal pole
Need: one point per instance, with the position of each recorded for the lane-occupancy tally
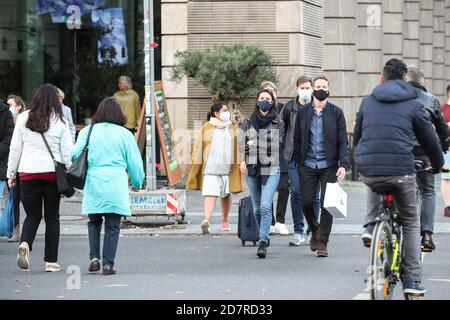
(150, 94)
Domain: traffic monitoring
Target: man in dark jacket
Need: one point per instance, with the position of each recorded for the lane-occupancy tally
(289, 116)
(385, 125)
(6, 131)
(321, 154)
(425, 180)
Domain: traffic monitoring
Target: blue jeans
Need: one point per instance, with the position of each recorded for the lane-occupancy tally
(111, 238)
(297, 212)
(262, 199)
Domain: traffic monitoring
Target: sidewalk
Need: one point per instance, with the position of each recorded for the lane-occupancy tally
(74, 224)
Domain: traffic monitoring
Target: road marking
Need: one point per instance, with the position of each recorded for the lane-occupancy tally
(117, 285)
(439, 280)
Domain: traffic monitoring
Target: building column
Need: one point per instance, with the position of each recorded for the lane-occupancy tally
(340, 55)
(447, 47)
(426, 41)
(411, 42)
(173, 39)
(439, 49)
(369, 46)
(392, 29)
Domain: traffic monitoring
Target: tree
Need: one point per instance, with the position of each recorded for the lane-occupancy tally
(230, 73)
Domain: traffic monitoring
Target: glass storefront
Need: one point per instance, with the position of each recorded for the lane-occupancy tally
(38, 44)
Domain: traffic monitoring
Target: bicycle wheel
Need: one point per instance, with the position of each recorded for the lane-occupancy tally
(381, 257)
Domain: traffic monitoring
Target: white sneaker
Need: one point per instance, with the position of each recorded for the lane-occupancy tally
(23, 257)
(273, 230)
(205, 227)
(282, 229)
(298, 240)
(52, 267)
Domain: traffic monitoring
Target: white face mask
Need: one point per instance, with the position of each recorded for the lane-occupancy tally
(13, 111)
(225, 116)
(305, 94)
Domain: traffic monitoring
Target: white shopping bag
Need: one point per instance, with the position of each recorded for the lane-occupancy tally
(335, 201)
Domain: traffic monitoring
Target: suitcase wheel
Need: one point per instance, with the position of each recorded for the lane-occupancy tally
(243, 243)
(255, 243)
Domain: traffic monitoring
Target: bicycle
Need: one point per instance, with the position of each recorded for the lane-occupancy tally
(386, 254)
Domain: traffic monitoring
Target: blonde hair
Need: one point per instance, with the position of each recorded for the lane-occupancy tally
(266, 84)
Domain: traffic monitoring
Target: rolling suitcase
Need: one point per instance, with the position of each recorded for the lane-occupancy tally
(248, 228)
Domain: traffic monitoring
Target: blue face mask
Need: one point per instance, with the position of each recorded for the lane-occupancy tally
(264, 105)
(305, 94)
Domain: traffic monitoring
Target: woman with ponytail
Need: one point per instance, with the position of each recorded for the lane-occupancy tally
(215, 164)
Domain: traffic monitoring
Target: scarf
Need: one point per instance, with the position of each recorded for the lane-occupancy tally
(219, 123)
(260, 121)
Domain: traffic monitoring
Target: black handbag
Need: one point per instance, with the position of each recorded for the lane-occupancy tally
(61, 176)
(76, 176)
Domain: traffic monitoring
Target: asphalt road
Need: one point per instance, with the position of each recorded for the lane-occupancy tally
(195, 267)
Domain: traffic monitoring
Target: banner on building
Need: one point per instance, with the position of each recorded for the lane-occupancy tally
(112, 46)
(58, 8)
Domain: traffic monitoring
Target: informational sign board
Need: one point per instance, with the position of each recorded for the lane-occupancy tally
(171, 163)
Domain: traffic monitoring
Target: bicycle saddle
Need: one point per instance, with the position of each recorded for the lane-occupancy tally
(383, 188)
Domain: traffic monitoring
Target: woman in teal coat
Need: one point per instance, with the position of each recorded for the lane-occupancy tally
(113, 155)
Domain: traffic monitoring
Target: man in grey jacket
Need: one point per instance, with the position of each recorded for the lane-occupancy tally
(425, 180)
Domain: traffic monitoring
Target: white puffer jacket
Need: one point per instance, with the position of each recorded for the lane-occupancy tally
(28, 152)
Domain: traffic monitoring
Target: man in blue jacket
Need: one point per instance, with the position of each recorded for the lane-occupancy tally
(385, 126)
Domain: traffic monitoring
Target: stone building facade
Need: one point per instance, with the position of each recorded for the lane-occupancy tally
(347, 40)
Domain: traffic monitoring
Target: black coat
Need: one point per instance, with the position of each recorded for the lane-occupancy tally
(335, 134)
(6, 132)
(433, 106)
(385, 127)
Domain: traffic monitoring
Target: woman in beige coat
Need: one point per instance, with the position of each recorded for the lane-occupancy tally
(215, 164)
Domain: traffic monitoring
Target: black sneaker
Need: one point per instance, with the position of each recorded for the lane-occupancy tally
(413, 288)
(262, 249)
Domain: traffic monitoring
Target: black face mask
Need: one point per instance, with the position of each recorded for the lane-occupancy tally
(321, 94)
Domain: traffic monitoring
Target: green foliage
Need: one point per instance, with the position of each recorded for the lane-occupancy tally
(229, 72)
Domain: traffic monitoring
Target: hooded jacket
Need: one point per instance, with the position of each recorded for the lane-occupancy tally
(385, 127)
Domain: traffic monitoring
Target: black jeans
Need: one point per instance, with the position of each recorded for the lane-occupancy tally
(16, 191)
(283, 197)
(309, 178)
(110, 240)
(33, 193)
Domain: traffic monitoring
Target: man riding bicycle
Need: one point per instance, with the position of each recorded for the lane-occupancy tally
(386, 123)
